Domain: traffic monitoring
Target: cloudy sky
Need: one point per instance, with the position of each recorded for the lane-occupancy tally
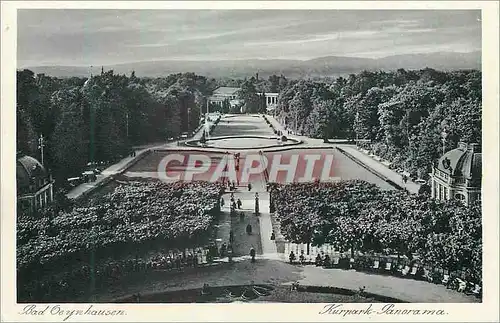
(104, 37)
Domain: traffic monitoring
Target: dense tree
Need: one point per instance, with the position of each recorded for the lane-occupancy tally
(357, 216)
(248, 94)
(401, 116)
(104, 115)
(69, 151)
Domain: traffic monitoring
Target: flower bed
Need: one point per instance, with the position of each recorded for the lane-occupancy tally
(134, 218)
(357, 216)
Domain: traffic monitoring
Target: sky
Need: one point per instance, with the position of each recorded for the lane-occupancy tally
(104, 37)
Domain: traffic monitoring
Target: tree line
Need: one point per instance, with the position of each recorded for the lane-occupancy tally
(356, 215)
(404, 115)
(100, 118)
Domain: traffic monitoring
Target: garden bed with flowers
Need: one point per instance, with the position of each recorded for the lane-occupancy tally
(134, 218)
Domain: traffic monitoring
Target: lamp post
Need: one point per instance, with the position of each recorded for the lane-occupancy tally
(41, 144)
(356, 128)
(207, 128)
(296, 117)
(127, 124)
(443, 139)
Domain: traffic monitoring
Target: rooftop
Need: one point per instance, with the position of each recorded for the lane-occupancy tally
(27, 169)
(464, 161)
(224, 90)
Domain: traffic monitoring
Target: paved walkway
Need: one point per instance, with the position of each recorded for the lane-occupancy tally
(122, 164)
(268, 271)
(380, 168)
(270, 268)
(266, 228)
(363, 158)
(111, 170)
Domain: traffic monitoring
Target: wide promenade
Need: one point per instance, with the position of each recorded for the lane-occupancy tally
(271, 266)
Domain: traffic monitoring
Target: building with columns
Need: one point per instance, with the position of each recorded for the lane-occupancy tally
(223, 93)
(34, 185)
(457, 175)
(230, 94)
(271, 101)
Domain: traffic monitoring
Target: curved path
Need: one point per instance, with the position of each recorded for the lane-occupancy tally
(270, 267)
(268, 271)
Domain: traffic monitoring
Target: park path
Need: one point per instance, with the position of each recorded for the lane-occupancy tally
(361, 157)
(380, 168)
(111, 170)
(123, 164)
(268, 271)
(269, 249)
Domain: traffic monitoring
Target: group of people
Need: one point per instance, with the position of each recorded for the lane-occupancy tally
(231, 186)
(227, 250)
(292, 257)
(236, 204)
(179, 260)
(322, 259)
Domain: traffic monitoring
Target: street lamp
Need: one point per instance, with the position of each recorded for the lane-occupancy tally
(356, 128)
(41, 145)
(443, 139)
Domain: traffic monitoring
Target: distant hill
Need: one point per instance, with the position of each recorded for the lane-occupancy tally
(331, 66)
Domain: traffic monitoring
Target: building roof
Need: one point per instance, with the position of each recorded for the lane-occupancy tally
(224, 90)
(27, 168)
(464, 161)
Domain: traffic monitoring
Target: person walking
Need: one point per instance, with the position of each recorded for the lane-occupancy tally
(257, 211)
(230, 253)
(249, 187)
(238, 202)
(223, 250)
(252, 253)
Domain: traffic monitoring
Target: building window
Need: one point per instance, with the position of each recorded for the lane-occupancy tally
(460, 197)
(435, 193)
(445, 191)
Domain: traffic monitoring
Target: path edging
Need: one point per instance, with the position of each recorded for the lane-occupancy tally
(370, 169)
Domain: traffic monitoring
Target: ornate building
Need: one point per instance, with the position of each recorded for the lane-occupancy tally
(34, 184)
(458, 174)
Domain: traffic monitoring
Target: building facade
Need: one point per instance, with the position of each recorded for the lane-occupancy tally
(34, 185)
(271, 101)
(222, 94)
(230, 94)
(457, 175)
